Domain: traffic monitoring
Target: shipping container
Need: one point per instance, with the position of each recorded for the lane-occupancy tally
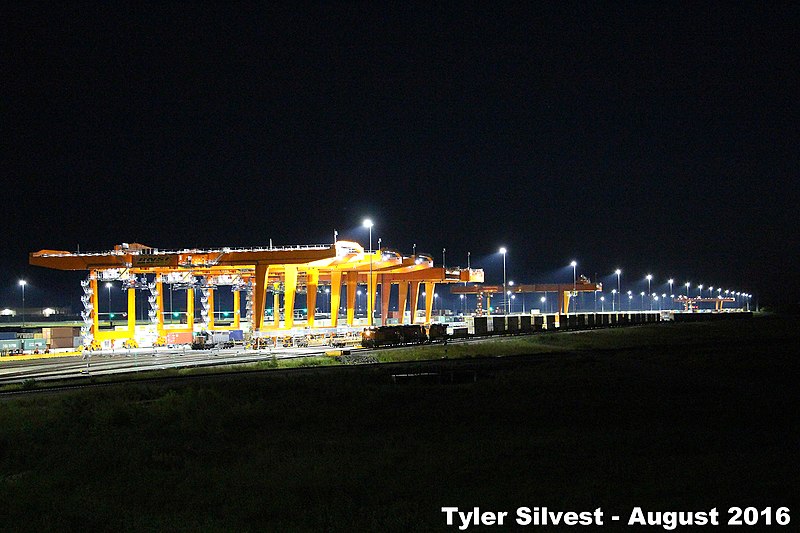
(60, 342)
(33, 344)
(512, 324)
(498, 324)
(174, 339)
(460, 333)
(480, 325)
(10, 345)
(526, 323)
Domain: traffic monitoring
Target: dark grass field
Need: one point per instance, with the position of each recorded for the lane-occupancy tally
(668, 417)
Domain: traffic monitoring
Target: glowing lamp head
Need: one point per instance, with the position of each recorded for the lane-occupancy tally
(108, 285)
(618, 272)
(367, 223)
(649, 277)
(670, 281)
(573, 264)
(503, 250)
(22, 283)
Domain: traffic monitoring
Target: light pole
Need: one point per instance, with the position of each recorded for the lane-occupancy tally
(414, 249)
(700, 291)
(463, 305)
(642, 304)
(574, 264)
(630, 297)
(358, 297)
(649, 278)
(687, 289)
(613, 300)
(671, 303)
(108, 286)
(368, 224)
(602, 304)
(618, 272)
(22, 284)
(504, 252)
(543, 299)
(328, 300)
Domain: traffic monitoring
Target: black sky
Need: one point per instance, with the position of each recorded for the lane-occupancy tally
(658, 137)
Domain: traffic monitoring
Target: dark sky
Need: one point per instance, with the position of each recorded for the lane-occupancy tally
(658, 137)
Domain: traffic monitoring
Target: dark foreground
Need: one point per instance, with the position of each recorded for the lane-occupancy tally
(703, 419)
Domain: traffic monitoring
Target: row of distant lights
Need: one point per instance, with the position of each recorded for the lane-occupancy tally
(649, 277)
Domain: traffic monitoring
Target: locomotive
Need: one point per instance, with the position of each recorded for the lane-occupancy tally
(402, 335)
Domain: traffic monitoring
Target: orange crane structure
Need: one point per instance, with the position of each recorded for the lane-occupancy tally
(564, 290)
(286, 270)
(691, 303)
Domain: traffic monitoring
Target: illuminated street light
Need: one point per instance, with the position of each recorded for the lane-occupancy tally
(574, 265)
(642, 306)
(700, 290)
(687, 288)
(671, 281)
(504, 252)
(613, 298)
(22, 284)
(649, 277)
(711, 292)
(368, 224)
(603, 304)
(618, 272)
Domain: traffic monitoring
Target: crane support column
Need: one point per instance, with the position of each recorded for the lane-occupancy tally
(290, 290)
(372, 289)
(131, 312)
(160, 305)
(312, 279)
(237, 308)
(430, 289)
(414, 300)
(402, 296)
(352, 282)
(211, 324)
(386, 291)
(95, 304)
(336, 296)
(276, 308)
(259, 296)
(189, 309)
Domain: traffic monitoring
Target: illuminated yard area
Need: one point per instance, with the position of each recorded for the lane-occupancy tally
(649, 424)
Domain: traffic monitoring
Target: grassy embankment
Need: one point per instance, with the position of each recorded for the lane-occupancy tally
(673, 417)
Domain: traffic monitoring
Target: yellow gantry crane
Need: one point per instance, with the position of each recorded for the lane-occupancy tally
(257, 271)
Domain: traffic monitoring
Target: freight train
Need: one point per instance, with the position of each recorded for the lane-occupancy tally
(403, 335)
(485, 326)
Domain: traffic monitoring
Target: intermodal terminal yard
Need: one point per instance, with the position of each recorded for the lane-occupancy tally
(132, 360)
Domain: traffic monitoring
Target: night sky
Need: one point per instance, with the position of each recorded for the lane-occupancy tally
(655, 137)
